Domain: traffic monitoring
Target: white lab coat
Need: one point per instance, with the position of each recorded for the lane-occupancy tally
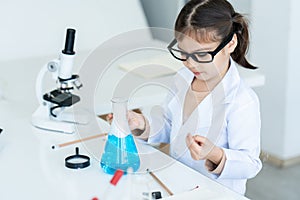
(229, 116)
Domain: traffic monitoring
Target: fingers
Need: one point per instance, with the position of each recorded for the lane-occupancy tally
(198, 146)
(136, 120)
(200, 140)
(133, 123)
(189, 140)
(132, 120)
(195, 141)
(109, 117)
(194, 147)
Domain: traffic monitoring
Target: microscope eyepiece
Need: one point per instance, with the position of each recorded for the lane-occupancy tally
(69, 42)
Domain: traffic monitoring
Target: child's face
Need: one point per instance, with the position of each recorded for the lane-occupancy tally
(206, 71)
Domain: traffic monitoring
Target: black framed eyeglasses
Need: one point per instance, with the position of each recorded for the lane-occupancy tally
(200, 57)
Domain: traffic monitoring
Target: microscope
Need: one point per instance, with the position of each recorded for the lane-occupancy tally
(55, 112)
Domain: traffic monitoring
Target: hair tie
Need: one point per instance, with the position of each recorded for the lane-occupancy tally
(237, 27)
(234, 16)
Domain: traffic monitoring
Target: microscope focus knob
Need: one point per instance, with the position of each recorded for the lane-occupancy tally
(52, 66)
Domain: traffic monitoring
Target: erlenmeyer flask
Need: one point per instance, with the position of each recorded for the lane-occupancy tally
(120, 151)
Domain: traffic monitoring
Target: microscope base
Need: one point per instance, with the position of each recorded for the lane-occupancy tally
(65, 123)
(56, 126)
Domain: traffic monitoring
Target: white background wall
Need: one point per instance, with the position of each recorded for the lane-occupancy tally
(162, 13)
(292, 120)
(275, 49)
(37, 27)
(243, 6)
(270, 52)
(32, 32)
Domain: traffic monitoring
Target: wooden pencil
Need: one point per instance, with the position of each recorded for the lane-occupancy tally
(160, 182)
(79, 140)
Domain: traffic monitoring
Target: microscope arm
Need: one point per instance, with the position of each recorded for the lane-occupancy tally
(52, 66)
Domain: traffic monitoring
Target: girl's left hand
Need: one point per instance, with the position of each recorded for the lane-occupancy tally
(202, 148)
(136, 121)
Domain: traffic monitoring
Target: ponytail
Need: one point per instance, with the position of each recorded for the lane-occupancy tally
(240, 27)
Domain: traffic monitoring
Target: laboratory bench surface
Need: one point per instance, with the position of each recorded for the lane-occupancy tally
(31, 169)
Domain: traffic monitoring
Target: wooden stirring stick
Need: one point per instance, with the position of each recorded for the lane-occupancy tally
(80, 140)
(160, 183)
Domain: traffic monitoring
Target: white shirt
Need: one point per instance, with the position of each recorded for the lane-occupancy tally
(229, 117)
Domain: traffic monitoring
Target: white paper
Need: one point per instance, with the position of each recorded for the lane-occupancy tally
(156, 66)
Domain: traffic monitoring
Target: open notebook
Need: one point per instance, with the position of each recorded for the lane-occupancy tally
(153, 67)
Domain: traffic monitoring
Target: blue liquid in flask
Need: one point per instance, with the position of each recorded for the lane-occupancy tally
(120, 151)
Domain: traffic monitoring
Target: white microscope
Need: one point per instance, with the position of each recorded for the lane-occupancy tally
(55, 112)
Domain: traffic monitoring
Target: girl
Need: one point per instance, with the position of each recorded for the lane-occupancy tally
(211, 118)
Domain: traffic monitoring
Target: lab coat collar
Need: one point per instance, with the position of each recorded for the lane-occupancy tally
(229, 83)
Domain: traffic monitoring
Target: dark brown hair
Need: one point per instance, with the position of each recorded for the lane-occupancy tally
(213, 20)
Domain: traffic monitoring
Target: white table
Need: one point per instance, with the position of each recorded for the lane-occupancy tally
(30, 169)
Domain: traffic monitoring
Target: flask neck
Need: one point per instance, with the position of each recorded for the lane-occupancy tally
(120, 127)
